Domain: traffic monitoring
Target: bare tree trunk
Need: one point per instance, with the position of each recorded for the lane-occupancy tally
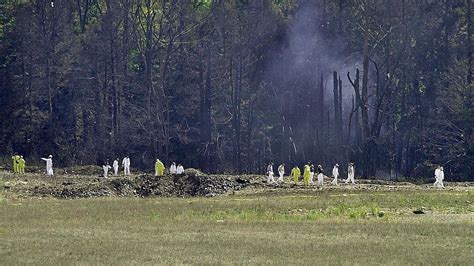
(355, 85)
(50, 90)
(235, 90)
(321, 105)
(339, 122)
(365, 81)
(469, 41)
(114, 91)
(238, 115)
(336, 107)
(123, 83)
(358, 129)
(83, 11)
(205, 114)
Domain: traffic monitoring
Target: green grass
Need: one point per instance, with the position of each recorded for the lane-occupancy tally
(251, 228)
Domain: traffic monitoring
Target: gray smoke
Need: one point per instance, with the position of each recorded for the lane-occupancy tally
(307, 52)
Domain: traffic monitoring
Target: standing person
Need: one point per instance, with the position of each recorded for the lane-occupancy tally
(21, 165)
(106, 168)
(124, 161)
(350, 173)
(180, 169)
(281, 171)
(173, 168)
(126, 165)
(320, 176)
(270, 173)
(295, 173)
(115, 164)
(162, 168)
(311, 174)
(335, 174)
(437, 170)
(49, 165)
(159, 168)
(439, 175)
(17, 159)
(306, 174)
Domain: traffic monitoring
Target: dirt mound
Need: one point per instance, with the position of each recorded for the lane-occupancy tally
(193, 184)
(81, 186)
(193, 172)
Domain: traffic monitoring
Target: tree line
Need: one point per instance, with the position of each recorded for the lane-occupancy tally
(229, 86)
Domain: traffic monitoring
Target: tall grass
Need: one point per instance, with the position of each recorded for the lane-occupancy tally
(284, 228)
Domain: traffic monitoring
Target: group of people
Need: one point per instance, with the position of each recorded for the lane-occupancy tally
(18, 164)
(115, 166)
(159, 167)
(309, 171)
(176, 169)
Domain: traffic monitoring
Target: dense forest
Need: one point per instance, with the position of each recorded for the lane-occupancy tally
(231, 85)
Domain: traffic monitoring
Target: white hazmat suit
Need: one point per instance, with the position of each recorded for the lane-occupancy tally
(320, 176)
(350, 174)
(281, 171)
(436, 183)
(116, 167)
(439, 175)
(180, 170)
(173, 169)
(126, 165)
(335, 174)
(106, 169)
(49, 165)
(270, 173)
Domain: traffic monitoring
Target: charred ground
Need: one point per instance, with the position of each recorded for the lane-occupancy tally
(85, 182)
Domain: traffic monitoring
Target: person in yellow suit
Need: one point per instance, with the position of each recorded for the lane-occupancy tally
(159, 168)
(17, 163)
(306, 174)
(295, 173)
(21, 165)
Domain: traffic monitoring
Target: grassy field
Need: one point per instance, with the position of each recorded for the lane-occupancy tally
(252, 227)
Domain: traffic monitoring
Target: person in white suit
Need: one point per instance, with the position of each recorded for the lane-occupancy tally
(335, 174)
(126, 165)
(180, 169)
(270, 173)
(116, 166)
(49, 165)
(281, 171)
(439, 176)
(350, 173)
(173, 168)
(106, 168)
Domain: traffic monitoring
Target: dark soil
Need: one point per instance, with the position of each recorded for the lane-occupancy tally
(86, 182)
(143, 185)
